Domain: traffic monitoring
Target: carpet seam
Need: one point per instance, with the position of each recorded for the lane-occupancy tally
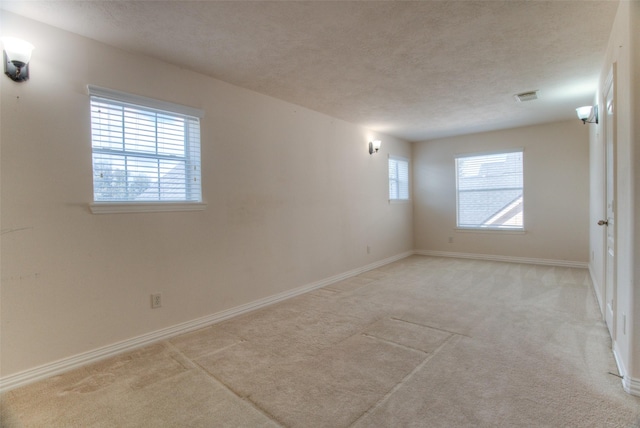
(224, 348)
(392, 343)
(429, 326)
(405, 379)
(246, 399)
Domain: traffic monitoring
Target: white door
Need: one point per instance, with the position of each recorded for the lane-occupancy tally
(610, 190)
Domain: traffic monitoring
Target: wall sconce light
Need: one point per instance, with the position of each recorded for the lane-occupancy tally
(374, 146)
(588, 114)
(17, 54)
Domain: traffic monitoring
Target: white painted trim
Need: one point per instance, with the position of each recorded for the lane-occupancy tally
(125, 97)
(622, 370)
(596, 289)
(50, 369)
(629, 384)
(497, 258)
(144, 207)
(399, 201)
(491, 230)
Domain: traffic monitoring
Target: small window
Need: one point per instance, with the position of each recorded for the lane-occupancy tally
(490, 190)
(398, 179)
(144, 150)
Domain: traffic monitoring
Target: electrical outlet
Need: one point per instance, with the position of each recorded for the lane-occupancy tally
(368, 249)
(451, 240)
(156, 300)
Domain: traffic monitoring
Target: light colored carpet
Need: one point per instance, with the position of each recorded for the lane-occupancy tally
(422, 342)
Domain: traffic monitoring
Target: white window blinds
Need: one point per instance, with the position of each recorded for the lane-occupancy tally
(144, 150)
(490, 190)
(398, 178)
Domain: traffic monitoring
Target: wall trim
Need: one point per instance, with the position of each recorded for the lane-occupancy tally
(629, 384)
(66, 364)
(510, 259)
(622, 370)
(144, 207)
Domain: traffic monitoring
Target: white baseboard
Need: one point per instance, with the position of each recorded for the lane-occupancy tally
(66, 364)
(509, 259)
(622, 370)
(629, 384)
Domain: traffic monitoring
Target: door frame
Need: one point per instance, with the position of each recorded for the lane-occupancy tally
(610, 172)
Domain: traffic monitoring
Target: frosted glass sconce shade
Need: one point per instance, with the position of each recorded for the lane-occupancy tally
(588, 114)
(17, 54)
(374, 146)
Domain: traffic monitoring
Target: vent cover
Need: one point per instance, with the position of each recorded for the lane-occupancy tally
(526, 96)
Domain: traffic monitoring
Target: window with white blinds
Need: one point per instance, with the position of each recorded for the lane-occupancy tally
(398, 179)
(144, 150)
(490, 190)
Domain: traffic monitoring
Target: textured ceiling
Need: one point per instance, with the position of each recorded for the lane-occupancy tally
(416, 70)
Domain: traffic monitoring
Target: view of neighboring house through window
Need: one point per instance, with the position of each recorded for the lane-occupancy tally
(490, 190)
(144, 150)
(398, 179)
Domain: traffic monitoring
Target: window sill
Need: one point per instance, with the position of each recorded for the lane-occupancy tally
(144, 207)
(399, 201)
(490, 230)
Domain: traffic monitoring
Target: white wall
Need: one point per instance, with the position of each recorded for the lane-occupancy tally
(556, 193)
(293, 197)
(634, 89)
(622, 50)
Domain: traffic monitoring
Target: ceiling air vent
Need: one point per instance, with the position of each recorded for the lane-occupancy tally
(526, 96)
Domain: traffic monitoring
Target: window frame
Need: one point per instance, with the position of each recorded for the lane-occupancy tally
(398, 200)
(489, 229)
(110, 207)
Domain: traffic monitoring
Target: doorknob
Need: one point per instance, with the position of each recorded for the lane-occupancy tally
(603, 223)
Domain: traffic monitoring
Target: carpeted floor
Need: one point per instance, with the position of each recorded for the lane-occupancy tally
(422, 342)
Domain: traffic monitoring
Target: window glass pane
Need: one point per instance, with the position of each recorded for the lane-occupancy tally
(140, 131)
(171, 135)
(398, 179)
(106, 126)
(142, 154)
(393, 179)
(109, 177)
(490, 191)
(172, 181)
(403, 180)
